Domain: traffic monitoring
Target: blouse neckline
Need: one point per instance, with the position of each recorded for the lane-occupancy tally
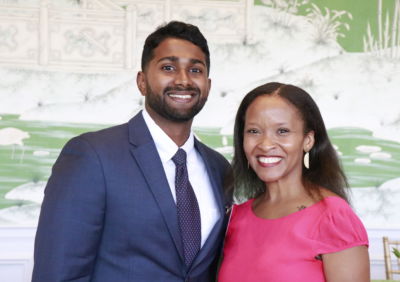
(293, 214)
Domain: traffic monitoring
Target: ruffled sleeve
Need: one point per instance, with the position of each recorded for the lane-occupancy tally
(339, 228)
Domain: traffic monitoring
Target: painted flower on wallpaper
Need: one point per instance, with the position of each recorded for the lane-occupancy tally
(87, 42)
(7, 38)
(289, 6)
(328, 23)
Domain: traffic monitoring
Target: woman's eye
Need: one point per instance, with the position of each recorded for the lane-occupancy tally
(252, 131)
(283, 131)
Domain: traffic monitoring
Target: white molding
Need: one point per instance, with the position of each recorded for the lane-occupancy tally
(16, 256)
(103, 35)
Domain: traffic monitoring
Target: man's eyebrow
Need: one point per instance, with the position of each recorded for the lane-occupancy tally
(197, 61)
(176, 59)
(169, 58)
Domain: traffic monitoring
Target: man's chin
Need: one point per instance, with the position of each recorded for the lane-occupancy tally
(180, 117)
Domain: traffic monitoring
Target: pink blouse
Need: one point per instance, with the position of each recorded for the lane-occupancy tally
(285, 249)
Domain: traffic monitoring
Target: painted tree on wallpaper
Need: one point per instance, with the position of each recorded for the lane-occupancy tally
(45, 101)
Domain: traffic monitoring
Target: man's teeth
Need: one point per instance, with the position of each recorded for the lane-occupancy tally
(180, 96)
(269, 160)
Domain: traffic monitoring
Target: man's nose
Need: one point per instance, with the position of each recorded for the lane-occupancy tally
(182, 78)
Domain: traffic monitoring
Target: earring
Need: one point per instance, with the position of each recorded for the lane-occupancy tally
(307, 160)
(248, 165)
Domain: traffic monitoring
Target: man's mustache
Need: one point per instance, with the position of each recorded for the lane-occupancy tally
(177, 89)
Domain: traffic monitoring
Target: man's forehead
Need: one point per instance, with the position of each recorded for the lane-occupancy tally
(175, 48)
(180, 59)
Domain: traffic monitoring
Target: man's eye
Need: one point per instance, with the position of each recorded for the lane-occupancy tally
(167, 68)
(196, 70)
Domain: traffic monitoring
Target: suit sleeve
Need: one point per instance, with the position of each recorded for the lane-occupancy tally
(71, 218)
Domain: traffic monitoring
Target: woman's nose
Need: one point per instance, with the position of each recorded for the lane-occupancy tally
(266, 142)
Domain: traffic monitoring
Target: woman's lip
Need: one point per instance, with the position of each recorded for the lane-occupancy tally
(269, 161)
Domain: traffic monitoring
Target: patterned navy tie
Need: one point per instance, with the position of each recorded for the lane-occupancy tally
(188, 209)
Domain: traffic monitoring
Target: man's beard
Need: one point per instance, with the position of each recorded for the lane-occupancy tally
(157, 104)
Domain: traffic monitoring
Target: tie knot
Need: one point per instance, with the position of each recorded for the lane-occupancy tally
(180, 157)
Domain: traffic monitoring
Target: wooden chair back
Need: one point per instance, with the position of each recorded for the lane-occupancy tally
(388, 246)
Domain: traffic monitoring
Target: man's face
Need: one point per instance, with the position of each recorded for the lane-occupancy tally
(175, 81)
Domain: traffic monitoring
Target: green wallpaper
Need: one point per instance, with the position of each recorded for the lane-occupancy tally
(362, 11)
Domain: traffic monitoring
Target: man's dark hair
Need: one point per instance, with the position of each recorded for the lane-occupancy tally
(174, 29)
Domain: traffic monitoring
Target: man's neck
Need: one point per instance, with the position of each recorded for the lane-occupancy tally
(179, 132)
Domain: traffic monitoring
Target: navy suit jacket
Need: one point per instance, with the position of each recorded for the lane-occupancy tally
(108, 213)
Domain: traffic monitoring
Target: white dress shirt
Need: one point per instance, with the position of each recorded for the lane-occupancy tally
(198, 175)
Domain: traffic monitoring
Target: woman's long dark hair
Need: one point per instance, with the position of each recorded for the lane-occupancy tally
(325, 169)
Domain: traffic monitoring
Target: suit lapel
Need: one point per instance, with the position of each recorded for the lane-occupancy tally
(145, 153)
(212, 172)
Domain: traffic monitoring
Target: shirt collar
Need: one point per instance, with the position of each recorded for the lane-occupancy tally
(166, 147)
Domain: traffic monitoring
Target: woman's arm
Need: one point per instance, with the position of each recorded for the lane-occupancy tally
(350, 265)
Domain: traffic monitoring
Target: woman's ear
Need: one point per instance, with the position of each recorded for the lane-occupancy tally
(308, 141)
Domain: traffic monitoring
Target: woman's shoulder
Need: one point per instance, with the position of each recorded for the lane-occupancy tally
(242, 207)
(338, 226)
(325, 193)
(332, 199)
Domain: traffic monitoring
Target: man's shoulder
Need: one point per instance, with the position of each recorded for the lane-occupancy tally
(103, 140)
(113, 133)
(211, 153)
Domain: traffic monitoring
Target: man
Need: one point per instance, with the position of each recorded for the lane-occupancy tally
(113, 207)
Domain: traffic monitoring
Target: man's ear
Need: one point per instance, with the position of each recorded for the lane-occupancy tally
(141, 82)
(208, 87)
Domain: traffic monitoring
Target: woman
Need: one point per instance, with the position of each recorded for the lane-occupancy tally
(297, 225)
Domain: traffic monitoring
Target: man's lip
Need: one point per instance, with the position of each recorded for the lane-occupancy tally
(181, 92)
(181, 96)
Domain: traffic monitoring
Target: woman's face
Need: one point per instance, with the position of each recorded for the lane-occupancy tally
(274, 139)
